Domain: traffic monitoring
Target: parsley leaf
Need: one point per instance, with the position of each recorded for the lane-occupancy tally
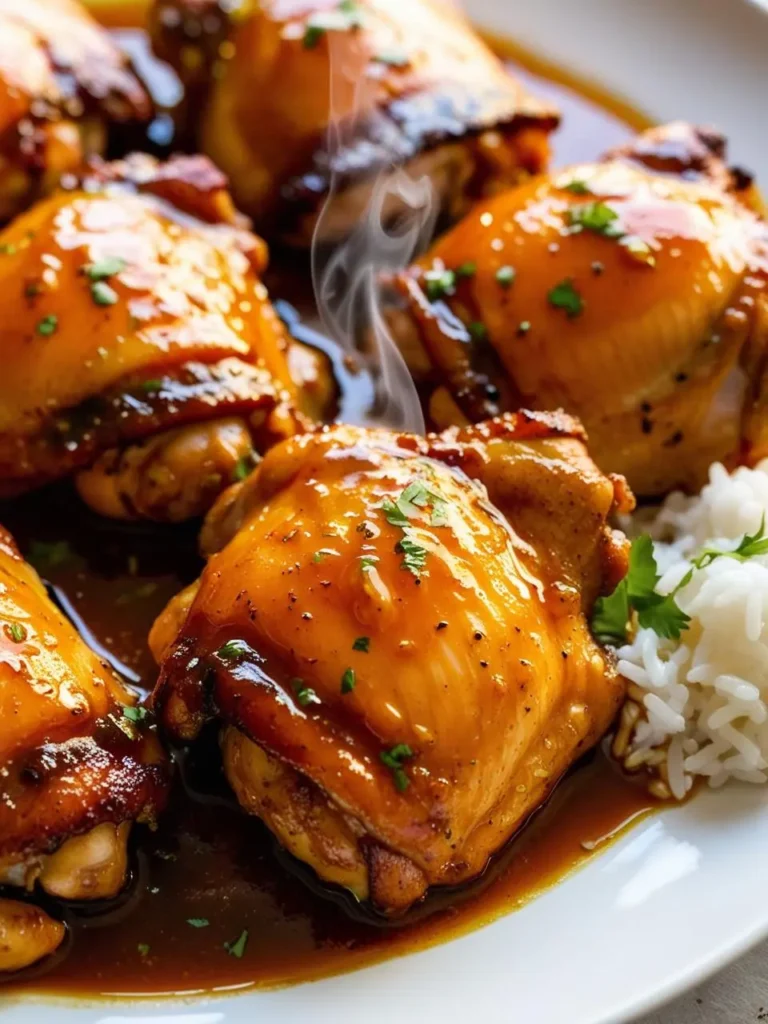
(143, 949)
(564, 296)
(103, 294)
(576, 187)
(48, 325)
(348, 681)
(637, 592)
(99, 270)
(17, 632)
(414, 555)
(135, 714)
(244, 466)
(198, 922)
(237, 948)
(439, 284)
(233, 649)
(362, 643)
(305, 695)
(393, 759)
(750, 546)
(597, 217)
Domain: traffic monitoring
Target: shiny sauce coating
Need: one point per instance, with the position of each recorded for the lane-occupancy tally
(212, 903)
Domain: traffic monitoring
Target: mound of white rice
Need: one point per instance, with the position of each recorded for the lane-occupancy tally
(698, 705)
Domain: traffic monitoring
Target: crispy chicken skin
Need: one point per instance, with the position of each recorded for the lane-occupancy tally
(631, 292)
(62, 83)
(140, 350)
(75, 771)
(393, 632)
(410, 83)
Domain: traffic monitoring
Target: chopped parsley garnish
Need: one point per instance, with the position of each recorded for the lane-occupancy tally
(233, 649)
(348, 680)
(237, 948)
(143, 949)
(305, 695)
(478, 331)
(468, 269)
(100, 270)
(362, 643)
(48, 325)
(103, 294)
(198, 922)
(8, 248)
(564, 296)
(597, 217)
(414, 555)
(439, 284)
(576, 187)
(17, 632)
(135, 714)
(393, 759)
(244, 466)
(323, 553)
(750, 546)
(312, 36)
(506, 276)
(637, 592)
(149, 386)
(368, 562)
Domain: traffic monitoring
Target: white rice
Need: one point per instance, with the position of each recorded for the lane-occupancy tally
(702, 700)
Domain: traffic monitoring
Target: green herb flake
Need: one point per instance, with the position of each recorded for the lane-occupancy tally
(468, 269)
(367, 562)
(100, 270)
(348, 680)
(393, 759)
(135, 714)
(48, 325)
(8, 249)
(143, 949)
(305, 695)
(478, 331)
(597, 217)
(233, 649)
(198, 922)
(576, 187)
(440, 283)
(637, 592)
(312, 36)
(17, 632)
(244, 466)
(506, 276)
(564, 296)
(237, 948)
(362, 643)
(414, 555)
(750, 546)
(103, 294)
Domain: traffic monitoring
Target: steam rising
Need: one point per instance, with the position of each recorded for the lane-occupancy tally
(398, 223)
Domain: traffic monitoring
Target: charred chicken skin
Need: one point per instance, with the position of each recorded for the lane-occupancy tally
(63, 82)
(78, 765)
(392, 631)
(314, 95)
(141, 352)
(630, 292)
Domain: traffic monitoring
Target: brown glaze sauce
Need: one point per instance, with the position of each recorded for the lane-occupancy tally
(208, 862)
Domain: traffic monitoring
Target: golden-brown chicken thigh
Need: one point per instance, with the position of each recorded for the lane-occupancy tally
(631, 292)
(78, 764)
(62, 83)
(140, 349)
(393, 632)
(309, 96)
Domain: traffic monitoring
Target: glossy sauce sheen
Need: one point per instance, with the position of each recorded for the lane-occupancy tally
(208, 862)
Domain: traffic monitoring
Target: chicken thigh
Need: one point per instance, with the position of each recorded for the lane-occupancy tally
(79, 764)
(631, 292)
(62, 83)
(309, 99)
(393, 633)
(141, 352)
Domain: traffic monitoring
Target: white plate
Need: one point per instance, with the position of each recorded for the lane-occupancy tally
(685, 891)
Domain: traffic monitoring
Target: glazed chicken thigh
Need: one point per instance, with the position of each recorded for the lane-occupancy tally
(141, 352)
(63, 82)
(305, 97)
(78, 765)
(631, 292)
(392, 632)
